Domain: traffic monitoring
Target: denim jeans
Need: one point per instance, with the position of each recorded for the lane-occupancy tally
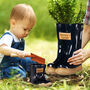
(19, 69)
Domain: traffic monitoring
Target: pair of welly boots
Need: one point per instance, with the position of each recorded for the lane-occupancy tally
(37, 74)
(69, 40)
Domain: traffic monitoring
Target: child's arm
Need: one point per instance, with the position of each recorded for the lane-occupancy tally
(6, 50)
(80, 56)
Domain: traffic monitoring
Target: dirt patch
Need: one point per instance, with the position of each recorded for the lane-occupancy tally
(71, 79)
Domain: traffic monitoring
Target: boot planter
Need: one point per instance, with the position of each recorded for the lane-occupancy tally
(69, 40)
(37, 72)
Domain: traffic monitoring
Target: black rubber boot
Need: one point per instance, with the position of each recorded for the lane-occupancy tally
(69, 40)
(37, 72)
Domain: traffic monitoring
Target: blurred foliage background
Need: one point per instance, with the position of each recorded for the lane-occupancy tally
(45, 26)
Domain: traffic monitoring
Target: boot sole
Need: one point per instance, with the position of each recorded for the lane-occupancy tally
(63, 71)
(50, 70)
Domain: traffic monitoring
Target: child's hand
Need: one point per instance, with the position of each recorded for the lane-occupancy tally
(79, 57)
(21, 54)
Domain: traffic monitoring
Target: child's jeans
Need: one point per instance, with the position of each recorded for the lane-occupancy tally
(19, 69)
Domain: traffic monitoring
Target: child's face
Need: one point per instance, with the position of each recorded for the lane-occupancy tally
(21, 29)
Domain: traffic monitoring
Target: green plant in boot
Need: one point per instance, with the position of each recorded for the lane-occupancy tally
(66, 11)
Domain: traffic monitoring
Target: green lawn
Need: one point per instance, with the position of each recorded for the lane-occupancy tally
(48, 50)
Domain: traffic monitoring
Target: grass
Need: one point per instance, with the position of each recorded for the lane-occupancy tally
(48, 50)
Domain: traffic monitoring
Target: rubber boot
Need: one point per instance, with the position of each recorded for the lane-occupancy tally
(37, 72)
(69, 40)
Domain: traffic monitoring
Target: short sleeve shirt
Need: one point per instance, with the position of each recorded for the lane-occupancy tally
(8, 39)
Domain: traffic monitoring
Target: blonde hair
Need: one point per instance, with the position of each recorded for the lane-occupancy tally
(23, 11)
